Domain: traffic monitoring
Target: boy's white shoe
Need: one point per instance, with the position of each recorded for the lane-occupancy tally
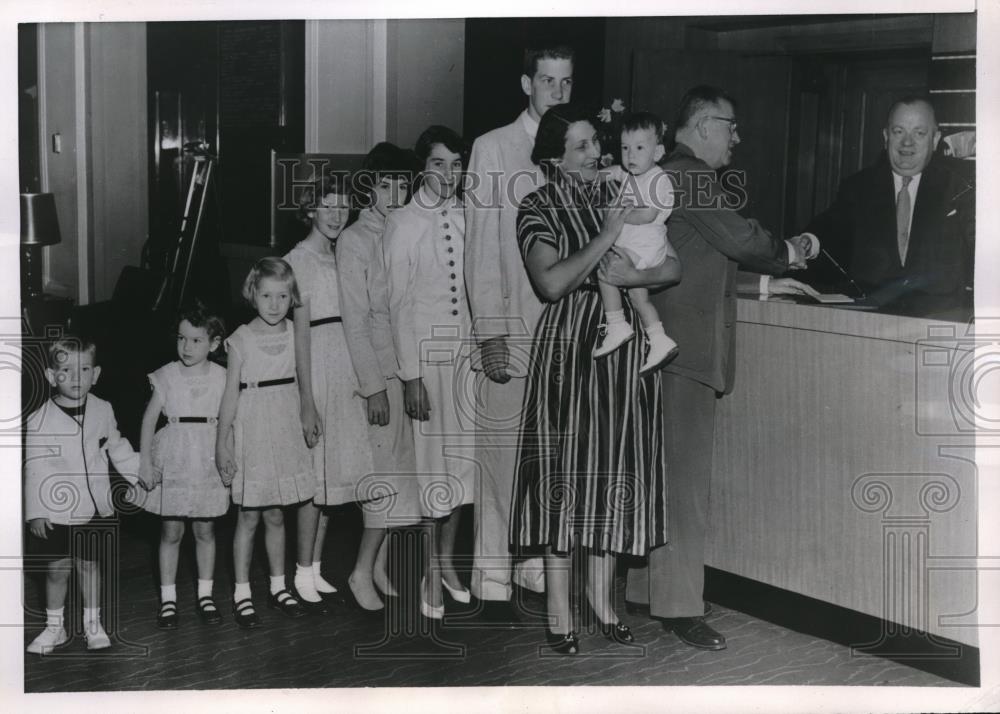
(615, 335)
(48, 640)
(97, 638)
(661, 348)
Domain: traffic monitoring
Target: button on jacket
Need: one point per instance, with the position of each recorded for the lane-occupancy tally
(424, 251)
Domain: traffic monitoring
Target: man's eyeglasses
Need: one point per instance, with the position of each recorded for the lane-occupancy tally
(729, 120)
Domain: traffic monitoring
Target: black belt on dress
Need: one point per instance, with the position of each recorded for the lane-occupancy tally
(267, 383)
(325, 321)
(164, 420)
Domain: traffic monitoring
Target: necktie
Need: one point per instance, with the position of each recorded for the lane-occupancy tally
(903, 218)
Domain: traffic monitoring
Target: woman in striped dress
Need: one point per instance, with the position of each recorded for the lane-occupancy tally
(590, 466)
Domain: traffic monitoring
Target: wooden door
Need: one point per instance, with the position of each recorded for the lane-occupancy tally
(759, 85)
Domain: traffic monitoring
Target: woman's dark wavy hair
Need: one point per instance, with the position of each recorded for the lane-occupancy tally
(550, 141)
(334, 182)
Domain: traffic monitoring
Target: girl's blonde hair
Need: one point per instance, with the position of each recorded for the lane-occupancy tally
(275, 268)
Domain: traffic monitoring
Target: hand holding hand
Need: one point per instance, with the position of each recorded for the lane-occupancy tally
(416, 401)
(312, 425)
(378, 409)
(790, 286)
(496, 359)
(224, 462)
(40, 527)
(797, 261)
(809, 246)
(146, 478)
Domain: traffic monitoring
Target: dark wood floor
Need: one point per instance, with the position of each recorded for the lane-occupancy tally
(347, 649)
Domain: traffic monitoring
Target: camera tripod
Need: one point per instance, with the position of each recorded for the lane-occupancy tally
(172, 290)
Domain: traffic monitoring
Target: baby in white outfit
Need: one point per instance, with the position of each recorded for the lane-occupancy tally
(643, 238)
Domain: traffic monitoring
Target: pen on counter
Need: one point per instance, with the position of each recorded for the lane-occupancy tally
(844, 272)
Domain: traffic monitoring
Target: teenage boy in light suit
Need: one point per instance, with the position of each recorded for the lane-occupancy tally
(505, 311)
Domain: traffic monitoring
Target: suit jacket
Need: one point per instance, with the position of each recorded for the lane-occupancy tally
(501, 297)
(859, 231)
(65, 471)
(711, 238)
(428, 311)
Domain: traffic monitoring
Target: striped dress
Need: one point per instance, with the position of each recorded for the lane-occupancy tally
(590, 461)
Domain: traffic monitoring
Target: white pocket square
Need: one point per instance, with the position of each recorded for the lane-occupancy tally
(951, 213)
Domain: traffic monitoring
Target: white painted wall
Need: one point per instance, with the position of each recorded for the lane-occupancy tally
(374, 80)
(92, 89)
(118, 149)
(57, 60)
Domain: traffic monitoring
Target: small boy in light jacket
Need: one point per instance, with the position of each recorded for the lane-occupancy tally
(68, 442)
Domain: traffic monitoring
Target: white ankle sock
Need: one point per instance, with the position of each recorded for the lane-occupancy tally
(277, 584)
(241, 592)
(204, 588)
(615, 317)
(654, 329)
(322, 586)
(168, 593)
(91, 614)
(305, 583)
(54, 618)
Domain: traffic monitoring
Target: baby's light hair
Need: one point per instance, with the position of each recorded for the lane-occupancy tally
(70, 345)
(275, 268)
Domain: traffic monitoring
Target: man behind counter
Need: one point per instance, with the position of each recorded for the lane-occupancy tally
(903, 228)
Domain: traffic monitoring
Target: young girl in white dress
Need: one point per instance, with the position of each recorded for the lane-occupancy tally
(178, 461)
(334, 417)
(260, 449)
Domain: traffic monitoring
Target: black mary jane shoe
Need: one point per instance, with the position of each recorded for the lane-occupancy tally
(566, 644)
(286, 603)
(313, 608)
(207, 611)
(166, 619)
(245, 614)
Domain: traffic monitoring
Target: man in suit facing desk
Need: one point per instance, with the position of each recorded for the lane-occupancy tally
(711, 239)
(903, 228)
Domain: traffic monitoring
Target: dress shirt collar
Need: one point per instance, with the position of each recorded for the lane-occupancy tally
(529, 124)
(897, 182)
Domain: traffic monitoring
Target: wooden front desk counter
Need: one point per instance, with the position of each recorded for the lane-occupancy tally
(844, 463)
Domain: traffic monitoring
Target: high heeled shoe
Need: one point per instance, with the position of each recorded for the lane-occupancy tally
(617, 632)
(566, 644)
(457, 594)
(426, 609)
